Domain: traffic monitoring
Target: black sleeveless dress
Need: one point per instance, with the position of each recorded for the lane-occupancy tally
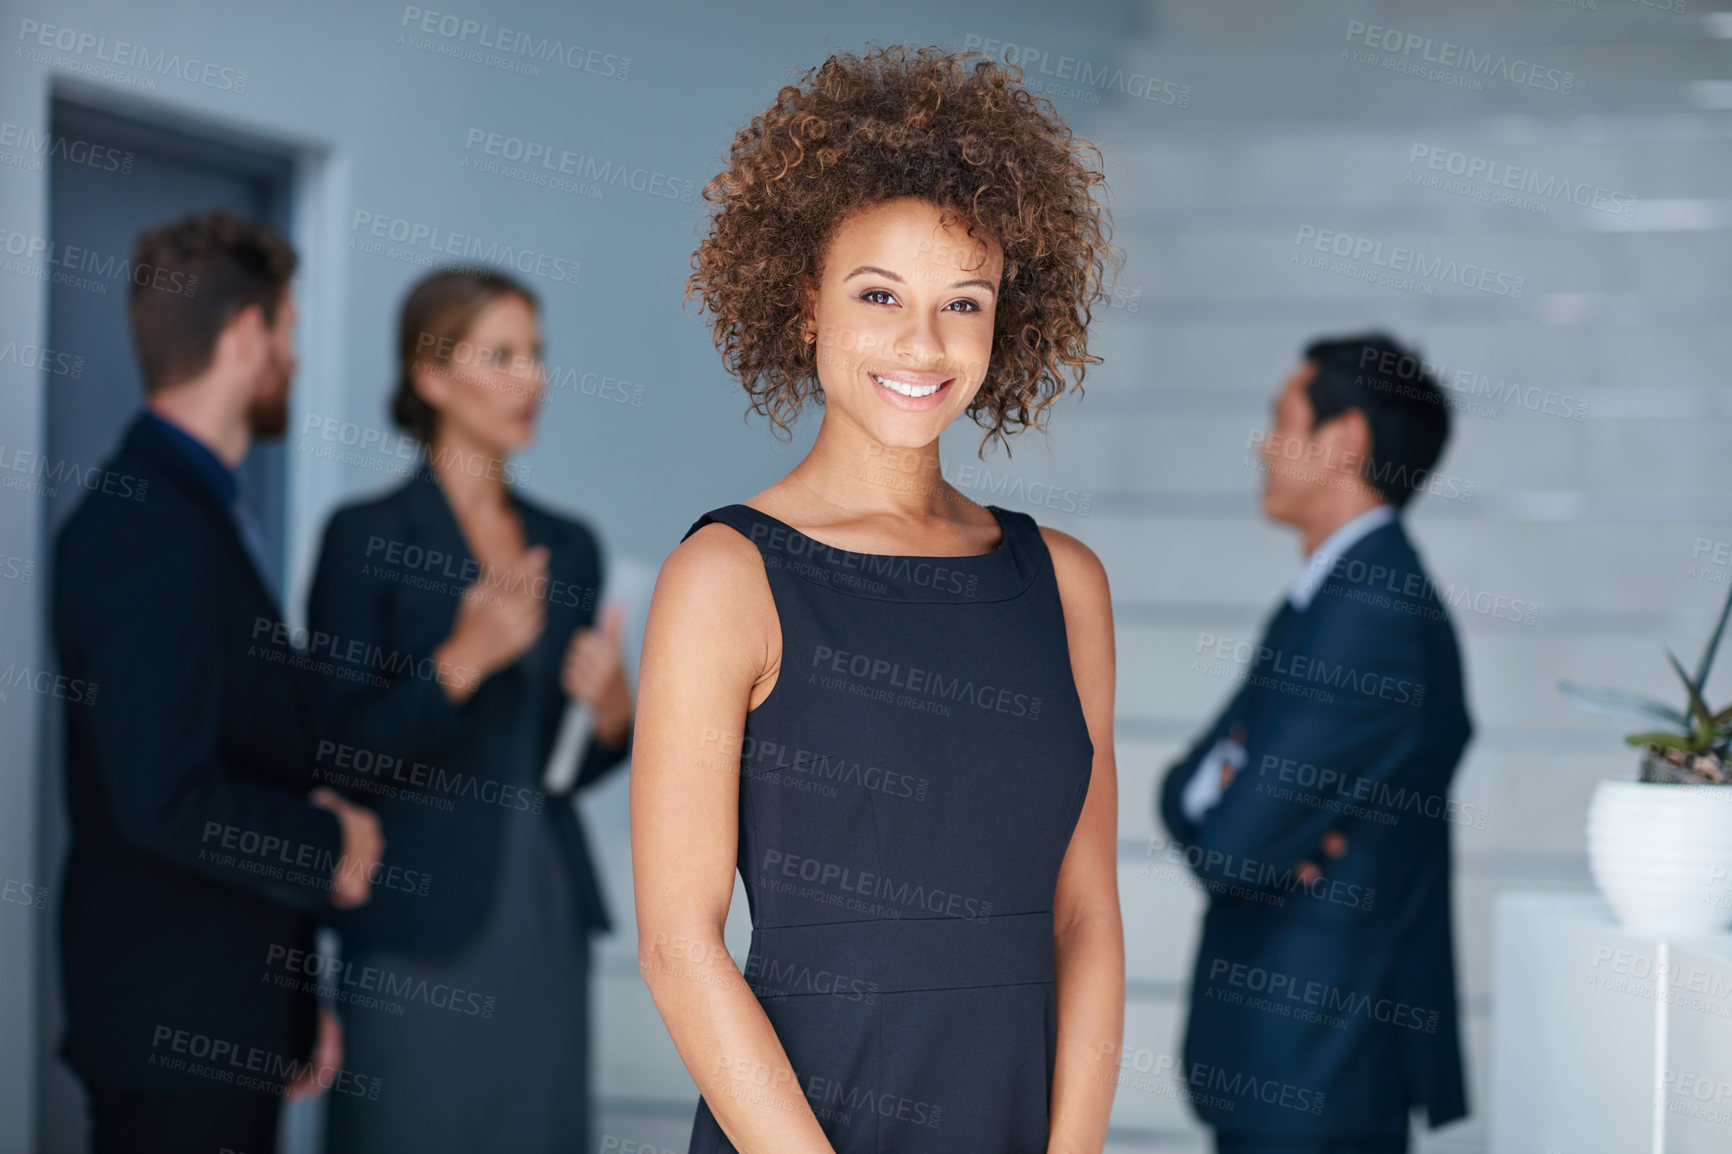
(907, 793)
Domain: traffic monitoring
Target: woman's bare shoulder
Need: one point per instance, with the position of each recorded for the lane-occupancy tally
(715, 562)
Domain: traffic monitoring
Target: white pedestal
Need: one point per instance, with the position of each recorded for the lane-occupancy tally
(1604, 1040)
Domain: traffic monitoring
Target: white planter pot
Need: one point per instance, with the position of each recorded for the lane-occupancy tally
(1662, 855)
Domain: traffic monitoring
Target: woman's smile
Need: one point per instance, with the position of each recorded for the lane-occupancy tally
(910, 390)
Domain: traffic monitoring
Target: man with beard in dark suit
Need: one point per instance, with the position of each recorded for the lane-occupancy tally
(1315, 809)
(198, 846)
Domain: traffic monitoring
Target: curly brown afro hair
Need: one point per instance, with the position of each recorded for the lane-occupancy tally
(899, 123)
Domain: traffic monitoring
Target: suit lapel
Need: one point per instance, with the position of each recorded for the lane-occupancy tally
(437, 526)
(174, 468)
(434, 524)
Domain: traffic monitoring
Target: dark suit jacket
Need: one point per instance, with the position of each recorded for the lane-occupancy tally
(189, 750)
(1330, 1008)
(449, 782)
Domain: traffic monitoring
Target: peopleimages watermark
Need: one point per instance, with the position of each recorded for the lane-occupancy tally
(33, 357)
(370, 987)
(1225, 874)
(1356, 795)
(830, 1099)
(1258, 988)
(1075, 78)
(64, 264)
(1302, 459)
(418, 243)
(788, 548)
(120, 60)
(1467, 67)
(399, 454)
(1411, 591)
(37, 474)
(1202, 1084)
(527, 375)
(550, 166)
(844, 886)
(770, 978)
(348, 658)
(776, 763)
(1711, 561)
(677, 956)
(879, 678)
(1398, 266)
(374, 772)
(1462, 388)
(1499, 183)
(46, 683)
(1719, 893)
(249, 1067)
(27, 148)
(19, 569)
(1692, 987)
(1703, 1096)
(614, 1144)
(411, 563)
(229, 846)
(32, 895)
(898, 469)
(1308, 462)
(508, 49)
(1299, 672)
(1673, 6)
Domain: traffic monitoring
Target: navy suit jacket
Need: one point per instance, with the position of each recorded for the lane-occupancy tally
(1330, 1008)
(449, 781)
(195, 854)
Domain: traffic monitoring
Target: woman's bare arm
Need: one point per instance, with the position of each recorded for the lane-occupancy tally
(711, 649)
(1088, 935)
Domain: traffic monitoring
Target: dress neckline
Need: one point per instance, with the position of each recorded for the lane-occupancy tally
(997, 515)
(967, 578)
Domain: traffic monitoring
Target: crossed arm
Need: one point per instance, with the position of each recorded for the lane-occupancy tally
(1301, 754)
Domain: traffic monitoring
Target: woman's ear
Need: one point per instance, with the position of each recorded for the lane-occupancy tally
(808, 309)
(430, 383)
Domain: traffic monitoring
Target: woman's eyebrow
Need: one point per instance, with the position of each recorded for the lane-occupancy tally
(866, 268)
(888, 275)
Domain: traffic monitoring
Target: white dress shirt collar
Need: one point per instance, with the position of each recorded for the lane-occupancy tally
(1334, 547)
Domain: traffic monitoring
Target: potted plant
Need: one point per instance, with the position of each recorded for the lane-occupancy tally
(1660, 846)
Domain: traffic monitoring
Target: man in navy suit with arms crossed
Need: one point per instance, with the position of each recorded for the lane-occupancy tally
(1315, 809)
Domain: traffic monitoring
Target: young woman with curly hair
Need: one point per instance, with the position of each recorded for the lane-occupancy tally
(889, 707)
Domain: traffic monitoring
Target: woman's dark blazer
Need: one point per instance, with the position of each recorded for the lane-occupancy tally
(449, 782)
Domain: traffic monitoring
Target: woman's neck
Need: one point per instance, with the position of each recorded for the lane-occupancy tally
(849, 469)
(472, 477)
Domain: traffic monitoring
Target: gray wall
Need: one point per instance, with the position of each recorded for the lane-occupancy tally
(1270, 131)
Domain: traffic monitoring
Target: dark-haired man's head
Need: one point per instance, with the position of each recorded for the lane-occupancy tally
(212, 315)
(1359, 423)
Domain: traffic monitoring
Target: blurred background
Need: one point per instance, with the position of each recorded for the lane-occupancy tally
(1264, 160)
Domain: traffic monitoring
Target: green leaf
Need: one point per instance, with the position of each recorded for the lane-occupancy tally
(1678, 741)
(1620, 705)
(1698, 707)
(1713, 644)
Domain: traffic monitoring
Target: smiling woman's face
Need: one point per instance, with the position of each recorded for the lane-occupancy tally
(904, 320)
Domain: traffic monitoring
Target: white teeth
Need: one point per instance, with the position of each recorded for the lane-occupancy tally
(905, 389)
